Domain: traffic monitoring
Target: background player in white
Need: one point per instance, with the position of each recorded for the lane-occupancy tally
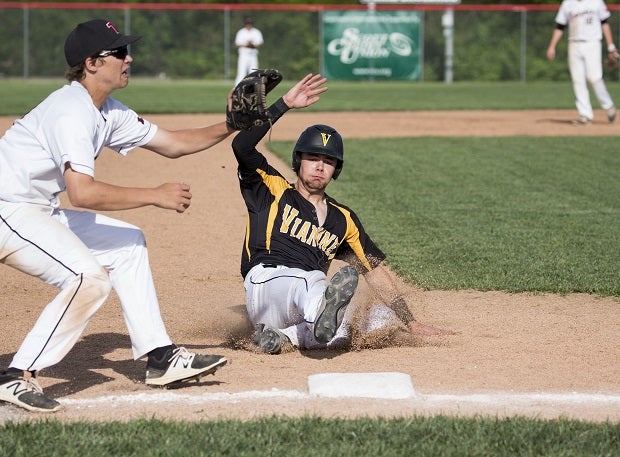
(587, 24)
(247, 41)
(294, 232)
(52, 149)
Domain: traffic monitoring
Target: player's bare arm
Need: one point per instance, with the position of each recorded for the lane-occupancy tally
(555, 38)
(381, 280)
(85, 192)
(179, 143)
(609, 38)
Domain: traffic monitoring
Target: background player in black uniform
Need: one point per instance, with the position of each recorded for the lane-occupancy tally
(294, 232)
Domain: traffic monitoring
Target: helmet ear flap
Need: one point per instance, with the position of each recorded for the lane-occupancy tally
(337, 170)
(296, 162)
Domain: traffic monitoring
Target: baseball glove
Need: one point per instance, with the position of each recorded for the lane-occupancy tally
(612, 61)
(249, 99)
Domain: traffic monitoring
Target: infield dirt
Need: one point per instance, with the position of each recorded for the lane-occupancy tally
(529, 354)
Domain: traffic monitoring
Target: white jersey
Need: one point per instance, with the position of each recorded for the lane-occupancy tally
(583, 18)
(245, 36)
(64, 128)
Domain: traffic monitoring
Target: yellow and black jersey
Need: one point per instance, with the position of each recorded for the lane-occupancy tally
(282, 226)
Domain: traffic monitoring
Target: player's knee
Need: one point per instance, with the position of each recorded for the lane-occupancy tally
(132, 246)
(137, 247)
(96, 284)
(135, 239)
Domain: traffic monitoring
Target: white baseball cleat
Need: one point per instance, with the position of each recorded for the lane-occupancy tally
(582, 120)
(183, 366)
(22, 389)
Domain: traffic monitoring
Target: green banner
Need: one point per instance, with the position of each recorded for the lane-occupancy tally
(372, 44)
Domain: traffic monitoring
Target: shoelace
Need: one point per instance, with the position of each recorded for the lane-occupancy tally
(180, 352)
(32, 385)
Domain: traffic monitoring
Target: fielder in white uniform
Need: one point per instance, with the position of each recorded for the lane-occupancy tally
(587, 24)
(52, 149)
(247, 41)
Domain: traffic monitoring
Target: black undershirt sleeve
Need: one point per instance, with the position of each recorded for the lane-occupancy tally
(244, 144)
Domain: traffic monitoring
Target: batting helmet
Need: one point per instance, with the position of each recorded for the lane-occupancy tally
(320, 139)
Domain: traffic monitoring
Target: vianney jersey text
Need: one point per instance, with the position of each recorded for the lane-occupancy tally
(282, 227)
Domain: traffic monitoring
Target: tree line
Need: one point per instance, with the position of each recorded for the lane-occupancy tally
(488, 46)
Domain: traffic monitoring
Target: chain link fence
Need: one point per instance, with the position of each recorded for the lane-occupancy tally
(494, 45)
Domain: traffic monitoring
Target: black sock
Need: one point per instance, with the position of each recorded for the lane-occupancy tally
(14, 373)
(158, 357)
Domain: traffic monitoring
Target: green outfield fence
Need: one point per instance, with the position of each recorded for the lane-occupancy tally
(490, 42)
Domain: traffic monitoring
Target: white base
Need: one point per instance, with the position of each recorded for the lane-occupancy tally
(365, 385)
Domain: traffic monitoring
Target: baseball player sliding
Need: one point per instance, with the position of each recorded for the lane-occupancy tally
(294, 232)
(52, 149)
(587, 24)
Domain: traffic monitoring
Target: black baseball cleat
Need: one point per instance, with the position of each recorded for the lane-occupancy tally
(611, 114)
(182, 366)
(269, 340)
(22, 389)
(337, 296)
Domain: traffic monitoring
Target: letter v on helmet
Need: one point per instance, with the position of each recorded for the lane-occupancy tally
(326, 137)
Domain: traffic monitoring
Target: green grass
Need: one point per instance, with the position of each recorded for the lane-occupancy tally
(521, 213)
(445, 436)
(146, 96)
(516, 214)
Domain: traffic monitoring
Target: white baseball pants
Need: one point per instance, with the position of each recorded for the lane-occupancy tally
(288, 299)
(85, 255)
(586, 66)
(245, 64)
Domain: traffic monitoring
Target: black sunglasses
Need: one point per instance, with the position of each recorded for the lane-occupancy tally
(119, 53)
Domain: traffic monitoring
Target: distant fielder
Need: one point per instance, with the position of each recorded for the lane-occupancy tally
(587, 24)
(247, 40)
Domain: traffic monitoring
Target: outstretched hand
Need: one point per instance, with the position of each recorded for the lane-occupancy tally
(305, 92)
